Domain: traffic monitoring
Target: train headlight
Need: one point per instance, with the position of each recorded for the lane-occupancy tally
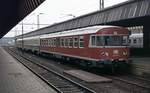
(104, 53)
(124, 53)
(115, 52)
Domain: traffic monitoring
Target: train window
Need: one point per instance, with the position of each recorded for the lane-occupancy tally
(62, 42)
(46, 42)
(99, 41)
(70, 42)
(93, 40)
(43, 42)
(40, 42)
(75, 42)
(66, 42)
(51, 42)
(81, 42)
(113, 40)
(54, 43)
(125, 40)
(58, 42)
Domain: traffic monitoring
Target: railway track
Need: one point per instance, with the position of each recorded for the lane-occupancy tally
(60, 83)
(127, 83)
(132, 86)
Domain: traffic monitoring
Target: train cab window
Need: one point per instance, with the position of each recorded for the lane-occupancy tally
(52, 42)
(99, 41)
(113, 40)
(75, 42)
(81, 41)
(93, 40)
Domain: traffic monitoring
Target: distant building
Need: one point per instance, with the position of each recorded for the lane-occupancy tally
(7, 41)
(136, 29)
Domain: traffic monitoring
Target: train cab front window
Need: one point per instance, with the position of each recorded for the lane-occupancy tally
(116, 40)
(97, 41)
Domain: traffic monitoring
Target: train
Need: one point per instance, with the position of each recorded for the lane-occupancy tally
(136, 40)
(94, 46)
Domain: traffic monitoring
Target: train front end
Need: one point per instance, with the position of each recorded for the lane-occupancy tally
(112, 46)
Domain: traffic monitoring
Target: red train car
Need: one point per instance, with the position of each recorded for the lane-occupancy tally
(91, 46)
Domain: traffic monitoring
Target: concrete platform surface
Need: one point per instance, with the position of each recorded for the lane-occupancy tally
(15, 78)
(86, 76)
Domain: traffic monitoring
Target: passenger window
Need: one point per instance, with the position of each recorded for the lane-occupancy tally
(66, 42)
(70, 42)
(75, 42)
(129, 41)
(58, 42)
(81, 42)
(51, 42)
(46, 42)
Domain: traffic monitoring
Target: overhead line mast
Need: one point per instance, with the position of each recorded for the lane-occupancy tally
(101, 4)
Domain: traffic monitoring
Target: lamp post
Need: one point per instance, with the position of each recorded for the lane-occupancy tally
(38, 20)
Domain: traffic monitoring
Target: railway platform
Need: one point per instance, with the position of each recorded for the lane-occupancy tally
(87, 77)
(15, 78)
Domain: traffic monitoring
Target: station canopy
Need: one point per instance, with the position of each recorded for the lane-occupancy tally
(13, 11)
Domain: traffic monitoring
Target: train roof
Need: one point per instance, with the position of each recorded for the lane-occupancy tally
(80, 31)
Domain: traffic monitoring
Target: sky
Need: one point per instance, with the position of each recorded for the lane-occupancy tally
(54, 11)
